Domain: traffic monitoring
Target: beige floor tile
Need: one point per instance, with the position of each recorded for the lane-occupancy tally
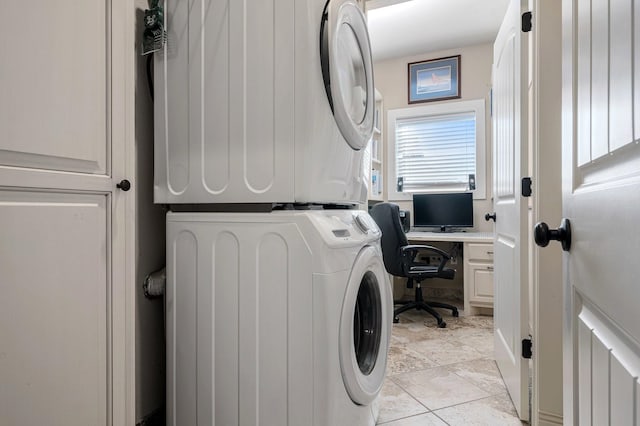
(445, 351)
(403, 359)
(483, 373)
(438, 387)
(415, 331)
(420, 326)
(421, 420)
(492, 411)
(395, 403)
(480, 340)
(451, 370)
(478, 322)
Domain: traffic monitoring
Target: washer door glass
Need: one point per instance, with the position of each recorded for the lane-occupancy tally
(367, 323)
(365, 327)
(347, 70)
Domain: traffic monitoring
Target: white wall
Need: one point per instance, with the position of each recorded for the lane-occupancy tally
(475, 75)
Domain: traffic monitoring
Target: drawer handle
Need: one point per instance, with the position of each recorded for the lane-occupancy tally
(490, 268)
(489, 252)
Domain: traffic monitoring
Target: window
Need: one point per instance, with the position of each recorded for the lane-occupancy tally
(435, 148)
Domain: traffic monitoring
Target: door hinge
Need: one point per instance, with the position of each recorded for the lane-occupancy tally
(526, 22)
(526, 187)
(527, 348)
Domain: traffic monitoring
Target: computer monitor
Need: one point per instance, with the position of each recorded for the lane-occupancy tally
(446, 212)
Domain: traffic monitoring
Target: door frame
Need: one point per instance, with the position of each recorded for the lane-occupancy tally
(546, 205)
(123, 229)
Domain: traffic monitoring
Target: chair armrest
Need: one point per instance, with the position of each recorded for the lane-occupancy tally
(409, 253)
(414, 248)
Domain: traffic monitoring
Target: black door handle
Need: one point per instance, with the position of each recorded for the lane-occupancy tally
(124, 184)
(542, 234)
(490, 216)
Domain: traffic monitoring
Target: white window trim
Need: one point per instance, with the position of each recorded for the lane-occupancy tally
(476, 105)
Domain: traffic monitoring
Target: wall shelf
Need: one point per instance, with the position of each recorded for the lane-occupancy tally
(374, 155)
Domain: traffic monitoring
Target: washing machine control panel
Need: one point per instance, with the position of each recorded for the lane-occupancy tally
(346, 227)
(362, 223)
(366, 224)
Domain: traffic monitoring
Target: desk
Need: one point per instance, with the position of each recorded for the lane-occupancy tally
(455, 237)
(477, 259)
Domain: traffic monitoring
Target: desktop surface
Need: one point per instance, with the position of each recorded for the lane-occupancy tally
(418, 235)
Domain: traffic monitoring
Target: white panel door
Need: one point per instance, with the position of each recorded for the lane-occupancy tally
(510, 162)
(65, 356)
(601, 198)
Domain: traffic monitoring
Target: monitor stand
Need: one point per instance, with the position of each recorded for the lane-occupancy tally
(450, 229)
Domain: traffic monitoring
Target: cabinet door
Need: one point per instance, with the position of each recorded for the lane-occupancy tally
(482, 285)
(53, 309)
(478, 276)
(64, 309)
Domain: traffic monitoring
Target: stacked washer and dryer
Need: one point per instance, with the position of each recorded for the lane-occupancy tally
(278, 304)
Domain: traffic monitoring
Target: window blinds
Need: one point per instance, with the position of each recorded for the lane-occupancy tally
(436, 150)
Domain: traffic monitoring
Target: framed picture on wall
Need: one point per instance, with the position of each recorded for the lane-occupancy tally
(434, 80)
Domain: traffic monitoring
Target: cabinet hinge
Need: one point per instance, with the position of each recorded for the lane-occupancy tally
(526, 187)
(527, 22)
(527, 348)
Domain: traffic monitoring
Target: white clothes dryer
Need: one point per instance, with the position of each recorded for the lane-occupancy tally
(263, 101)
(279, 318)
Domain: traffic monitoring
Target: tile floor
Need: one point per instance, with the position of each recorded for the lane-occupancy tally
(444, 376)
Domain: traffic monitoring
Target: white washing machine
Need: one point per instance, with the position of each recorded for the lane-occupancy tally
(263, 101)
(279, 318)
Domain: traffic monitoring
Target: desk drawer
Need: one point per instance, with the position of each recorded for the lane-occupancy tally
(476, 251)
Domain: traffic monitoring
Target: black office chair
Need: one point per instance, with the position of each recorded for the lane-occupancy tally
(401, 260)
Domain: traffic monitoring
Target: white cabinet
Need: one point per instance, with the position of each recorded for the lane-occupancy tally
(68, 257)
(373, 155)
(478, 277)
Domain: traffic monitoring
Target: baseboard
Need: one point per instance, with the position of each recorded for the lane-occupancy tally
(549, 419)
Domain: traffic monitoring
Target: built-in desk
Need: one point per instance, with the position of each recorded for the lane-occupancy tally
(458, 237)
(477, 260)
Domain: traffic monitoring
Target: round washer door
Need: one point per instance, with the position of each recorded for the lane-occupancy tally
(365, 327)
(347, 69)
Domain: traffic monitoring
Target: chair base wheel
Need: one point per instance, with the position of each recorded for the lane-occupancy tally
(455, 313)
(442, 324)
(396, 320)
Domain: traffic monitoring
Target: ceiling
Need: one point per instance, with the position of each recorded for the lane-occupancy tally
(409, 27)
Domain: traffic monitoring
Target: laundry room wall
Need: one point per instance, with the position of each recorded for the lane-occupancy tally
(150, 250)
(475, 75)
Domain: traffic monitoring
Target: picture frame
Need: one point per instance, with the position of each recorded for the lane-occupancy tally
(434, 79)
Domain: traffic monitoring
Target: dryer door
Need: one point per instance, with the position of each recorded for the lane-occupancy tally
(347, 70)
(365, 327)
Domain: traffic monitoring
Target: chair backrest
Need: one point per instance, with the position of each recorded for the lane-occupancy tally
(387, 216)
